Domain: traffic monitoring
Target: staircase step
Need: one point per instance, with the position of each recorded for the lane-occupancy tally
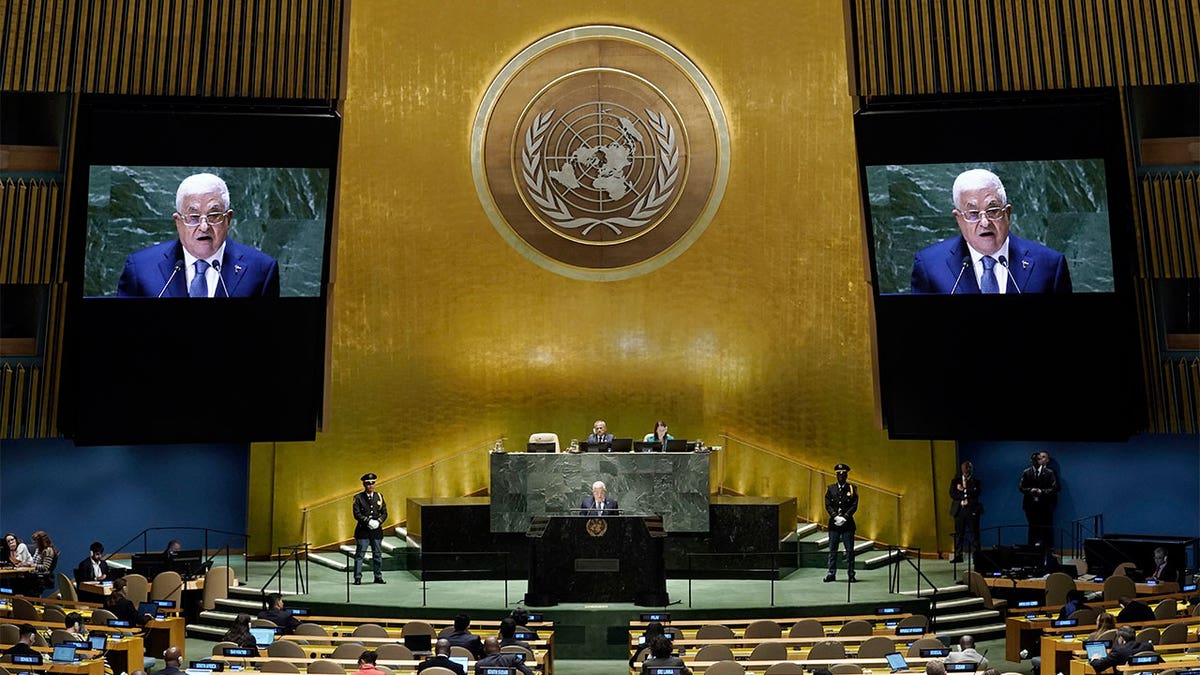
(255, 592)
(941, 590)
(881, 560)
(965, 602)
(989, 631)
(216, 616)
(960, 618)
(205, 631)
(805, 529)
(865, 545)
(337, 563)
(240, 604)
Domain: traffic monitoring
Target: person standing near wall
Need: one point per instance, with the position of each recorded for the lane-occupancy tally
(841, 501)
(1039, 486)
(370, 512)
(965, 508)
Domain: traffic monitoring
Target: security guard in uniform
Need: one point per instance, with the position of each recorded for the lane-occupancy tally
(841, 501)
(370, 512)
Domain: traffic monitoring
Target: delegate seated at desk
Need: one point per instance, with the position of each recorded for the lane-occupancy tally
(600, 433)
(599, 503)
(659, 435)
(1127, 645)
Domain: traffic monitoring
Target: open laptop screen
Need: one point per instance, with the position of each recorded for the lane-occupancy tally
(63, 654)
(896, 662)
(1095, 650)
(263, 637)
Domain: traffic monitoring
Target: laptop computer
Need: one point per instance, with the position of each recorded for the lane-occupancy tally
(150, 609)
(677, 445)
(419, 645)
(584, 446)
(63, 654)
(647, 446)
(896, 662)
(622, 445)
(461, 660)
(98, 642)
(263, 637)
(1095, 650)
(962, 667)
(539, 447)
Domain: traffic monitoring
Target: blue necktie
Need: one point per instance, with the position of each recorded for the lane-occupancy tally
(988, 283)
(199, 287)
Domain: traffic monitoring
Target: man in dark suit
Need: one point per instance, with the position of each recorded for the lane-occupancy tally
(841, 501)
(985, 258)
(965, 508)
(600, 433)
(599, 504)
(277, 614)
(494, 658)
(441, 658)
(461, 635)
(173, 658)
(507, 634)
(1164, 570)
(203, 262)
(370, 513)
(1134, 611)
(1127, 645)
(1039, 486)
(24, 644)
(93, 567)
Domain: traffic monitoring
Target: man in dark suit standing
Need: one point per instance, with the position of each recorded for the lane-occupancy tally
(1039, 486)
(370, 512)
(202, 262)
(841, 501)
(965, 508)
(985, 258)
(93, 567)
(599, 504)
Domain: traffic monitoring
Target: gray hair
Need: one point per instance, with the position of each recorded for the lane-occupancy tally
(975, 179)
(198, 184)
(599, 484)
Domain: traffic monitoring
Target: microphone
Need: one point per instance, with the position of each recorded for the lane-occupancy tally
(966, 262)
(216, 265)
(1004, 261)
(178, 266)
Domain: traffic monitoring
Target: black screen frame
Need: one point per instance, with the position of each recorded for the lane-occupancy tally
(249, 369)
(1062, 367)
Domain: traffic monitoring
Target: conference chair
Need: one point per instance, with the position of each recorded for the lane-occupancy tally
(876, 647)
(1109, 635)
(278, 667)
(286, 649)
(1115, 587)
(216, 586)
(763, 628)
(1151, 635)
(642, 654)
(371, 630)
(417, 628)
(546, 437)
(219, 648)
(101, 617)
(977, 586)
(785, 668)
(315, 630)
(39, 641)
(59, 636)
(348, 650)
(914, 650)
(1176, 633)
(1167, 609)
(1085, 616)
(846, 669)
(672, 633)
(518, 649)
(857, 627)
(914, 620)
(394, 652)
(435, 670)
(137, 588)
(806, 628)
(729, 667)
(263, 623)
(769, 651)
(828, 649)
(1058, 585)
(329, 667)
(10, 634)
(23, 610)
(53, 614)
(458, 650)
(714, 653)
(1081, 567)
(4, 671)
(66, 588)
(167, 585)
(715, 631)
(1122, 569)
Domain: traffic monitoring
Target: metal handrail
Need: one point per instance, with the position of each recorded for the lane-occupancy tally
(894, 578)
(301, 579)
(774, 569)
(1077, 527)
(144, 534)
(503, 555)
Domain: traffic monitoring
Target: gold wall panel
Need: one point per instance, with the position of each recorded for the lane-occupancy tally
(444, 337)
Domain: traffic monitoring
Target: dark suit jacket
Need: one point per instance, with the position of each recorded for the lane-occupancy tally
(591, 508)
(841, 500)
(1120, 654)
(246, 271)
(1169, 573)
(83, 571)
(286, 621)
(1047, 481)
(1032, 268)
(970, 492)
(441, 661)
(1135, 612)
(465, 639)
(366, 508)
(503, 661)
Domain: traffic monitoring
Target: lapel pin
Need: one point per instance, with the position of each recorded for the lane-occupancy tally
(1024, 264)
(237, 269)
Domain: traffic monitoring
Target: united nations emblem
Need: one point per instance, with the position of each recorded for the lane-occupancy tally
(596, 527)
(600, 153)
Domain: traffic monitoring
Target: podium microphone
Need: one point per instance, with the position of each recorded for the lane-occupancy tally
(178, 266)
(966, 262)
(1004, 261)
(216, 265)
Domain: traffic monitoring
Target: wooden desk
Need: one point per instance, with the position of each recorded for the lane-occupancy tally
(125, 655)
(163, 633)
(350, 664)
(1039, 583)
(1062, 656)
(916, 664)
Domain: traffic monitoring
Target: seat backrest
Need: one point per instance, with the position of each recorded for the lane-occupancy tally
(417, 628)
(39, 641)
(1115, 587)
(914, 650)
(459, 650)
(546, 437)
(846, 669)
(101, 617)
(914, 620)
(1110, 635)
(728, 667)
(857, 627)
(518, 649)
(827, 650)
(1151, 635)
(24, 610)
(806, 628)
(394, 652)
(286, 649)
(1122, 569)
(348, 650)
(1174, 634)
(1167, 609)
(66, 588)
(785, 668)
(977, 586)
(262, 623)
(763, 628)
(436, 670)
(876, 647)
(219, 648)
(278, 667)
(672, 633)
(167, 585)
(769, 651)
(1058, 585)
(330, 667)
(10, 633)
(137, 588)
(59, 636)
(1085, 616)
(373, 630)
(53, 614)
(216, 586)
(714, 631)
(714, 653)
(312, 629)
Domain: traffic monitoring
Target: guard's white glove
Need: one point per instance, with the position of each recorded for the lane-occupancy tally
(373, 524)
(839, 520)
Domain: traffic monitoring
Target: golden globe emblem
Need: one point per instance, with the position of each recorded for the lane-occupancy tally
(596, 527)
(600, 153)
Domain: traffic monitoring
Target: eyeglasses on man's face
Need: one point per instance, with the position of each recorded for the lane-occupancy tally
(214, 219)
(992, 214)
